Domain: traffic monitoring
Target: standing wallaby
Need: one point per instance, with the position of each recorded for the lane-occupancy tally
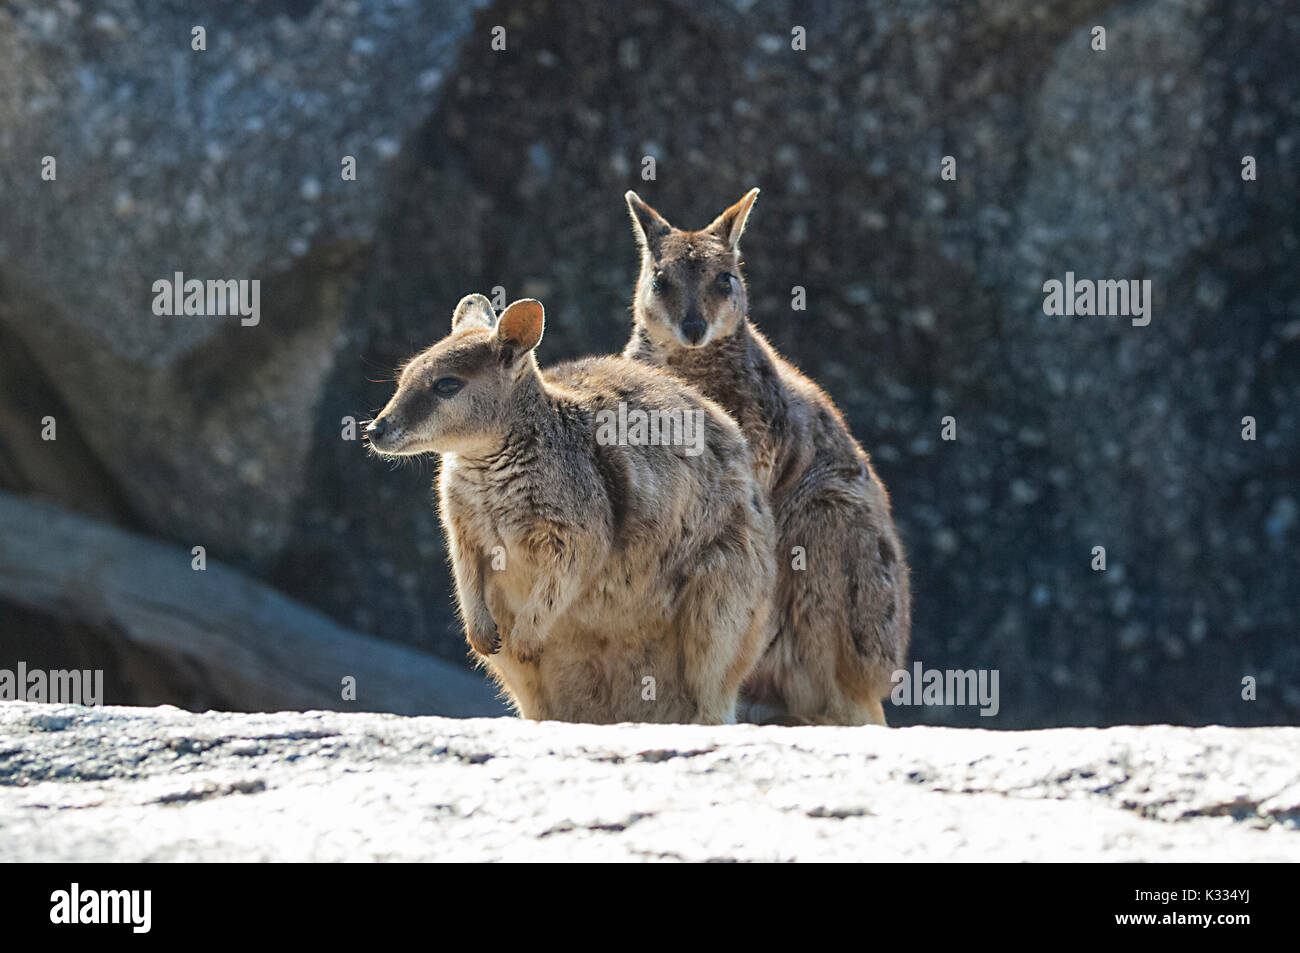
(612, 550)
(843, 601)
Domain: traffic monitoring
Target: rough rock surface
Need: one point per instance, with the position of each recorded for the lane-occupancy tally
(130, 784)
(217, 163)
(479, 169)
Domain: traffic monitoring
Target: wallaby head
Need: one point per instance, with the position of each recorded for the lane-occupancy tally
(458, 396)
(690, 290)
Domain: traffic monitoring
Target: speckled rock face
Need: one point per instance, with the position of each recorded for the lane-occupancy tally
(220, 163)
(162, 785)
(480, 168)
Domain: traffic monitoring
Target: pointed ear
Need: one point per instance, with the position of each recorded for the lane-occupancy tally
(730, 224)
(474, 311)
(520, 327)
(650, 226)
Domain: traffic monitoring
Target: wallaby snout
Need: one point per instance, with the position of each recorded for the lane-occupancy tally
(693, 325)
(377, 432)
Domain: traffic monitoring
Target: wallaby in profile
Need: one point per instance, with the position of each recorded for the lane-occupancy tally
(612, 550)
(843, 601)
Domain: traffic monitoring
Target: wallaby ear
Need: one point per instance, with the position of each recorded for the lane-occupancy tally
(730, 224)
(474, 311)
(650, 226)
(520, 326)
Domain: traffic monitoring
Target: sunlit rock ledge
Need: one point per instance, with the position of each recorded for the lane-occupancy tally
(160, 784)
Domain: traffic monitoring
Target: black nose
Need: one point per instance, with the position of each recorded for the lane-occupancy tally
(694, 329)
(377, 428)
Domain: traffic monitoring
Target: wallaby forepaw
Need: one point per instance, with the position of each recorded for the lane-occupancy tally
(528, 654)
(483, 643)
(525, 645)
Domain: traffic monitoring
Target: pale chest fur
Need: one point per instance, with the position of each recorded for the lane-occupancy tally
(492, 527)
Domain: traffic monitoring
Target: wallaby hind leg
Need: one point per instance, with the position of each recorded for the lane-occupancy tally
(845, 620)
(726, 625)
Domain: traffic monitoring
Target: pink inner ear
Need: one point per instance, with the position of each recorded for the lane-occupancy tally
(521, 324)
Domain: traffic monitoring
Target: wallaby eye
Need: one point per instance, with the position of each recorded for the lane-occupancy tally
(724, 283)
(656, 282)
(446, 386)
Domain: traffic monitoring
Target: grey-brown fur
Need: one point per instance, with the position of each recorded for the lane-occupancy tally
(617, 562)
(843, 622)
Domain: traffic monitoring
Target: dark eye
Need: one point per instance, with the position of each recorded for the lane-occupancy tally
(446, 386)
(724, 283)
(656, 283)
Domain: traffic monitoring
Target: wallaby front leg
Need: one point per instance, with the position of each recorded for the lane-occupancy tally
(480, 628)
(559, 578)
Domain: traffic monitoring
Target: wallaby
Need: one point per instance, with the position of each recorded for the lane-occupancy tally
(612, 549)
(843, 599)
